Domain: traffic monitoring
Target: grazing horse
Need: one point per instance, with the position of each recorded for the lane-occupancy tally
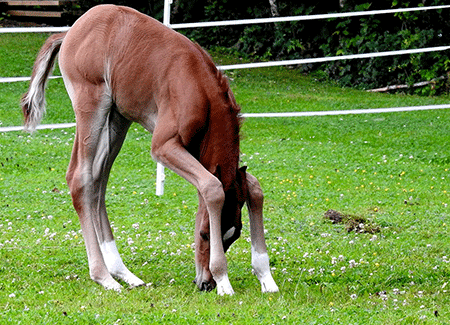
(120, 66)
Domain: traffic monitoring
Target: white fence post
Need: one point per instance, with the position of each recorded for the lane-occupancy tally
(166, 19)
(160, 175)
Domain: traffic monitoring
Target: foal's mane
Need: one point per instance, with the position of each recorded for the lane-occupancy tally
(223, 85)
(230, 119)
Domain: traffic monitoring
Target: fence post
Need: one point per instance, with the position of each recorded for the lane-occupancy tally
(166, 19)
(160, 175)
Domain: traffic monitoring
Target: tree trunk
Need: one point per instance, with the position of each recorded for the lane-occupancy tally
(273, 8)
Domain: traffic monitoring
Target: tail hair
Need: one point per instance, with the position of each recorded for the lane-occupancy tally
(33, 101)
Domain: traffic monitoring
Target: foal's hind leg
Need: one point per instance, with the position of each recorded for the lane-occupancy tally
(81, 185)
(110, 144)
(100, 134)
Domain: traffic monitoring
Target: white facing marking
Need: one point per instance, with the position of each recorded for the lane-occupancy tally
(229, 233)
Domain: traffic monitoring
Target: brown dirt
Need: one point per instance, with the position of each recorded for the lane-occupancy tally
(357, 224)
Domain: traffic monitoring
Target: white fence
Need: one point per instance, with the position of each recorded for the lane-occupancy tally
(166, 21)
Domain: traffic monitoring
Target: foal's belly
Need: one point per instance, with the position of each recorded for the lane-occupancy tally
(146, 115)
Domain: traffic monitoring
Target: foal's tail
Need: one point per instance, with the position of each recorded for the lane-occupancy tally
(33, 101)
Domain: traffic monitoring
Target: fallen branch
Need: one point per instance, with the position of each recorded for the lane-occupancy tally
(418, 84)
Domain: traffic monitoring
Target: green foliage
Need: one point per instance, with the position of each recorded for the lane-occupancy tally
(385, 33)
(334, 37)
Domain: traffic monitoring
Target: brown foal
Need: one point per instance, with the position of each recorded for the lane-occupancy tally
(120, 66)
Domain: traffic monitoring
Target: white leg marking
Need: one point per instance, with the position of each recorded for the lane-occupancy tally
(229, 233)
(115, 264)
(224, 286)
(96, 265)
(111, 284)
(260, 264)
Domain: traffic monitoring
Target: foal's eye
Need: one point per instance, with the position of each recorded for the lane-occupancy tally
(204, 235)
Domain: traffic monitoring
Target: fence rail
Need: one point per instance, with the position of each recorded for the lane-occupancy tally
(302, 18)
(167, 3)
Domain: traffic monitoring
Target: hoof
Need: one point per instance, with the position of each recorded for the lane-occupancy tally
(205, 285)
(137, 285)
(112, 285)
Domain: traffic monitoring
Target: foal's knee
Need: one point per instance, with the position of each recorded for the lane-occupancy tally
(212, 192)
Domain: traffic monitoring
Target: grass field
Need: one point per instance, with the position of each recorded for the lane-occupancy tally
(388, 172)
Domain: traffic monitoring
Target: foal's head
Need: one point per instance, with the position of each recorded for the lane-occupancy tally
(235, 197)
(219, 153)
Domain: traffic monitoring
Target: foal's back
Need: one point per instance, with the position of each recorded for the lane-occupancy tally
(146, 68)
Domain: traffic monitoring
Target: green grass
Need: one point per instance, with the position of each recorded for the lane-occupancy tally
(392, 169)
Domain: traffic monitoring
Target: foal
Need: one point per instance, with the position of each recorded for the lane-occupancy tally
(120, 66)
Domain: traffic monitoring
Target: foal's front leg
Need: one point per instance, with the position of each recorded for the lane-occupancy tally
(203, 276)
(260, 258)
(169, 152)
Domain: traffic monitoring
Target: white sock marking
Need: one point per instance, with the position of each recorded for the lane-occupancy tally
(115, 265)
(260, 264)
(224, 286)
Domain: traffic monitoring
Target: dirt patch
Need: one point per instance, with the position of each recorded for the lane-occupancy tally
(357, 224)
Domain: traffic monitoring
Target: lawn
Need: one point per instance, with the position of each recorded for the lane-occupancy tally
(387, 262)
